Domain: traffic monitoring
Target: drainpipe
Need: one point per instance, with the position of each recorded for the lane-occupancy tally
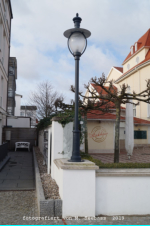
(139, 91)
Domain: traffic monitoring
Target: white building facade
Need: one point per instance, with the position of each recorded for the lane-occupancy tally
(5, 34)
(18, 104)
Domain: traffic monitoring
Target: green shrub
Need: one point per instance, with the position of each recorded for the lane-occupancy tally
(114, 165)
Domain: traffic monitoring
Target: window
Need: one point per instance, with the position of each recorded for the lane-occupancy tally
(135, 46)
(21, 113)
(137, 59)
(134, 110)
(29, 114)
(140, 134)
(128, 66)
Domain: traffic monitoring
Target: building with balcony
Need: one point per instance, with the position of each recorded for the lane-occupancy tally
(5, 34)
(29, 111)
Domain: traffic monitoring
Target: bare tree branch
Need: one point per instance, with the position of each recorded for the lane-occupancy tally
(45, 98)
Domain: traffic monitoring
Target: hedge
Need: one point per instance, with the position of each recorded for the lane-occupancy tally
(114, 165)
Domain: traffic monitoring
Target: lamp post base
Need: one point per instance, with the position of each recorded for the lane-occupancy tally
(75, 160)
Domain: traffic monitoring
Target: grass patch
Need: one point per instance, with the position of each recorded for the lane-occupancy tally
(114, 165)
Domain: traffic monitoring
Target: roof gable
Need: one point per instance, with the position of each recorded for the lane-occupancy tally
(144, 41)
(119, 69)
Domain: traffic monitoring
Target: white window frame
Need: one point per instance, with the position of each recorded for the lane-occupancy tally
(136, 46)
(148, 110)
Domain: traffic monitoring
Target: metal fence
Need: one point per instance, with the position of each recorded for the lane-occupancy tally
(3, 151)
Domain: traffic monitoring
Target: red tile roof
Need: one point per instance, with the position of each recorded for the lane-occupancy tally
(111, 105)
(99, 89)
(95, 114)
(141, 121)
(119, 69)
(143, 41)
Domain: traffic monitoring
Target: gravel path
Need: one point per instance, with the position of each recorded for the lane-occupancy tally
(51, 190)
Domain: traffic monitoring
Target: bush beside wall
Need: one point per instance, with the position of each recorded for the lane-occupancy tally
(114, 165)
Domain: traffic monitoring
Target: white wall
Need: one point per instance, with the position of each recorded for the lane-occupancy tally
(78, 193)
(123, 193)
(77, 190)
(59, 142)
(41, 140)
(18, 104)
(77, 181)
(19, 122)
(62, 139)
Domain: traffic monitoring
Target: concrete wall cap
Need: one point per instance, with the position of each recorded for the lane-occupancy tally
(64, 164)
(55, 118)
(123, 172)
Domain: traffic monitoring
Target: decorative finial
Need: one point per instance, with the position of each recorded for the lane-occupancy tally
(77, 20)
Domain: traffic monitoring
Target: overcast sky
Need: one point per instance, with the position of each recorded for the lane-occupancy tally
(41, 50)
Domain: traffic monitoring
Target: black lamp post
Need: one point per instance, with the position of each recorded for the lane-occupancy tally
(77, 43)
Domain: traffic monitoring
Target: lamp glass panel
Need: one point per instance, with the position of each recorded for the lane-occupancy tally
(77, 42)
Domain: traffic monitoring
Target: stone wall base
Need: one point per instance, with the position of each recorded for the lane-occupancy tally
(50, 207)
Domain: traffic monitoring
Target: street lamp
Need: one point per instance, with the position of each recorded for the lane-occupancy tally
(77, 43)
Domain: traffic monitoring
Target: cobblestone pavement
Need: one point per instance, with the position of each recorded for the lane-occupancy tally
(141, 155)
(15, 206)
(134, 220)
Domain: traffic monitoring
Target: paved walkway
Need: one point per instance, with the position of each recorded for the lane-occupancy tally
(18, 174)
(20, 208)
(141, 155)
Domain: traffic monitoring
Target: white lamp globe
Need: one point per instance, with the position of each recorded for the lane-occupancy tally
(77, 43)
